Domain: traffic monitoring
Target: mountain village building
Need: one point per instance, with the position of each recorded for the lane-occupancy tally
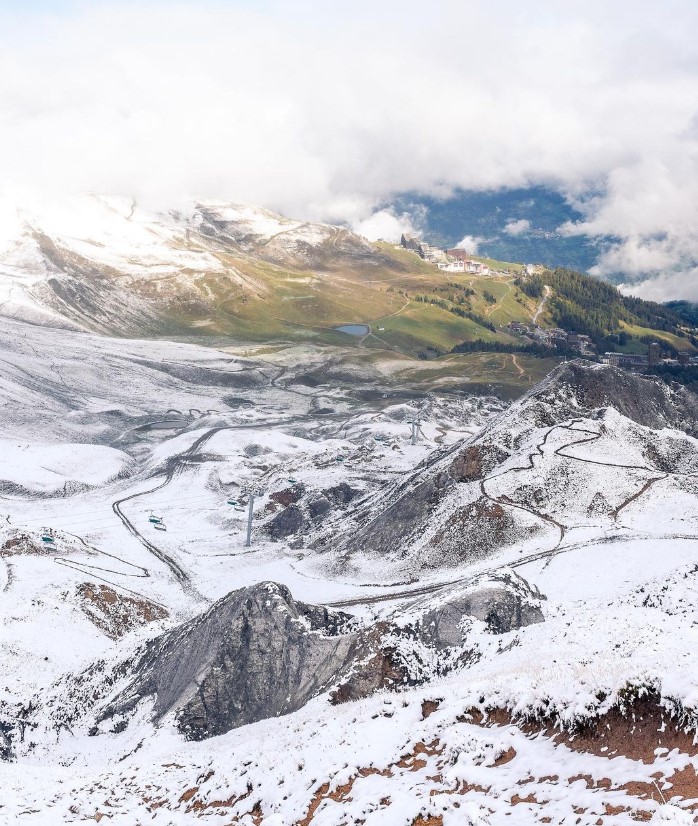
(457, 254)
(453, 260)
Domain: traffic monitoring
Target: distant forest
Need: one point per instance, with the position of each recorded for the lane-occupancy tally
(587, 305)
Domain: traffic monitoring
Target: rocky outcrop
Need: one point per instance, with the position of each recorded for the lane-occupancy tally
(504, 601)
(579, 387)
(115, 613)
(286, 523)
(258, 653)
(304, 509)
(449, 511)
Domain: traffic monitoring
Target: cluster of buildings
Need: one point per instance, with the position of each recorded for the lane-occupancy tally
(476, 267)
(453, 260)
(655, 355)
(554, 337)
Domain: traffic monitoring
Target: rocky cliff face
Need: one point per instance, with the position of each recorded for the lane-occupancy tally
(256, 653)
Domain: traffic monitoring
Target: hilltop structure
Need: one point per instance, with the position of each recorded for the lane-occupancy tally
(453, 260)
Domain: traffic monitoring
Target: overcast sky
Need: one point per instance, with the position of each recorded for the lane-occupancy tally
(323, 113)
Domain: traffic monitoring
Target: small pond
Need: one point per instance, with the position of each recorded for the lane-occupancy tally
(354, 329)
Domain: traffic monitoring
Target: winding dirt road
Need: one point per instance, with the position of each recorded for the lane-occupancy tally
(558, 548)
(541, 306)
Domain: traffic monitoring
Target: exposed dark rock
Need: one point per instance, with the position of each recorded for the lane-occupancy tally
(256, 653)
(580, 387)
(381, 669)
(253, 449)
(393, 521)
(319, 507)
(286, 523)
(476, 461)
(303, 510)
(401, 517)
(341, 494)
(467, 465)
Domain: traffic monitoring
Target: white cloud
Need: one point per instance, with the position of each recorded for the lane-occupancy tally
(664, 287)
(517, 227)
(385, 224)
(324, 112)
(470, 243)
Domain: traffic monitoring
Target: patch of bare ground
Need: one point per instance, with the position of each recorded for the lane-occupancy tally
(636, 731)
(340, 793)
(21, 544)
(429, 707)
(114, 613)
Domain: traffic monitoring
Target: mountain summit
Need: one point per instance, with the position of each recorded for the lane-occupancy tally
(104, 264)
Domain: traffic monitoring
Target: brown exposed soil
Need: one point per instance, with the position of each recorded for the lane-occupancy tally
(288, 496)
(413, 761)
(22, 544)
(429, 707)
(187, 796)
(340, 793)
(114, 613)
(635, 735)
(467, 466)
(634, 732)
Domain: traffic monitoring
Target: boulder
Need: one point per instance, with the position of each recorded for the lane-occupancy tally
(504, 601)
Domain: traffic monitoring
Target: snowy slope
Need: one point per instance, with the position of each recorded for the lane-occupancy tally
(586, 488)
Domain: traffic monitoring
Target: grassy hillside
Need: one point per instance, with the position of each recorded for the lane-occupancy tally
(418, 311)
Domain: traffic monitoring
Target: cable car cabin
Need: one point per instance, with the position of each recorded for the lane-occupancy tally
(232, 501)
(292, 480)
(47, 536)
(156, 520)
(159, 526)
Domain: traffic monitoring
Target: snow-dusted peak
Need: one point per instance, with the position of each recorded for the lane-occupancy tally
(250, 221)
(79, 259)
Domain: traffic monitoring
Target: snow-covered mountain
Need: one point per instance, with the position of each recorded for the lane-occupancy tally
(575, 456)
(106, 265)
(497, 624)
